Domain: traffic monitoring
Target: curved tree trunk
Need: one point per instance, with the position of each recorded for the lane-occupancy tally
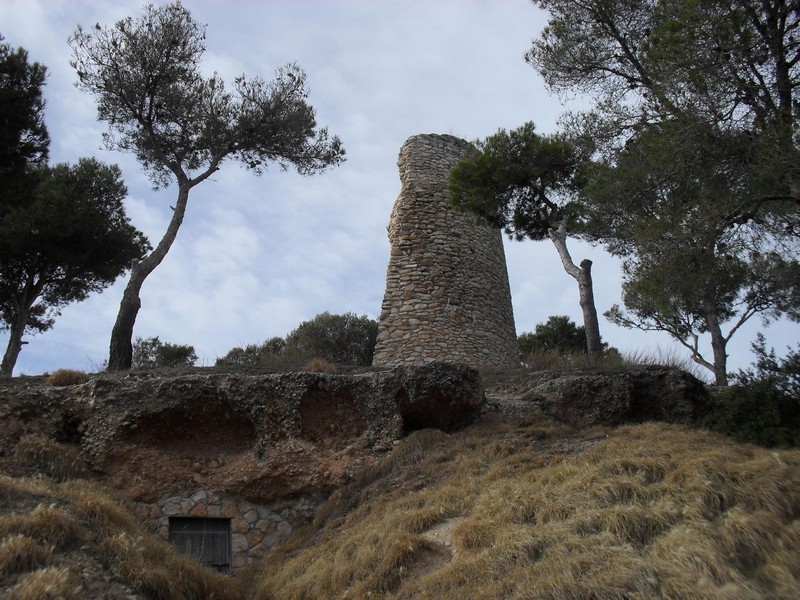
(120, 351)
(583, 275)
(27, 297)
(15, 343)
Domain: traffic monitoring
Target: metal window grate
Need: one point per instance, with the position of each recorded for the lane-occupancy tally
(206, 539)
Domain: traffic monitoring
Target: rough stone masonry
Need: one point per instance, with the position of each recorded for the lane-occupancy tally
(447, 294)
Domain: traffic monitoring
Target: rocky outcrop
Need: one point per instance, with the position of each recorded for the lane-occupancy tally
(263, 437)
(585, 398)
(264, 451)
(260, 451)
(447, 294)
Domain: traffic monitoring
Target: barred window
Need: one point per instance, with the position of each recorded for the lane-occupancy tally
(206, 539)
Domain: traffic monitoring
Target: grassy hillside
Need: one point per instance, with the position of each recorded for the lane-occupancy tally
(498, 510)
(75, 540)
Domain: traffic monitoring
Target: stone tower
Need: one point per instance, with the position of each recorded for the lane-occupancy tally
(447, 294)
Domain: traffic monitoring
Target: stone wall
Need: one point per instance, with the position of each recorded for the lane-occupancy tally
(255, 528)
(447, 294)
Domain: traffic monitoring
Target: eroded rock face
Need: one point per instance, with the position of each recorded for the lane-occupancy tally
(264, 451)
(585, 398)
(261, 437)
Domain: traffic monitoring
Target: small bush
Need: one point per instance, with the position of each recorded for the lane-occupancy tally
(344, 339)
(67, 377)
(20, 553)
(319, 365)
(763, 405)
(152, 353)
(268, 354)
(756, 413)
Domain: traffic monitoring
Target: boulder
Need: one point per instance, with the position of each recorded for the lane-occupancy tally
(589, 397)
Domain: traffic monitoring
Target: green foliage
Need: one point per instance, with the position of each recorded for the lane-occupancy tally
(692, 264)
(559, 342)
(520, 181)
(514, 180)
(763, 405)
(145, 74)
(254, 355)
(694, 126)
(344, 339)
(152, 353)
(558, 333)
(68, 239)
(24, 140)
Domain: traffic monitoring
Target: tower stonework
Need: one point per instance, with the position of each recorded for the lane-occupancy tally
(447, 294)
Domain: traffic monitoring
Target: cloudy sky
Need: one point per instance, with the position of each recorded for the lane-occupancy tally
(258, 255)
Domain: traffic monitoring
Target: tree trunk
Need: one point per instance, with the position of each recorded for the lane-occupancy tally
(120, 355)
(120, 352)
(718, 346)
(14, 343)
(583, 275)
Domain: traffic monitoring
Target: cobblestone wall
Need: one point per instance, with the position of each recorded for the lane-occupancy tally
(447, 293)
(255, 529)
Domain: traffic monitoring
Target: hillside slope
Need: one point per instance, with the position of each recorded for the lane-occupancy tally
(515, 506)
(537, 511)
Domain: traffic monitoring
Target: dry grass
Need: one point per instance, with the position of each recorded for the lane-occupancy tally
(48, 457)
(160, 572)
(51, 525)
(19, 554)
(47, 584)
(666, 358)
(79, 512)
(654, 511)
(67, 377)
(553, 359)
(319, 365)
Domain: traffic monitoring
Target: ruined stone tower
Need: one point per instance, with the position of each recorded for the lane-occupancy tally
(447, 294)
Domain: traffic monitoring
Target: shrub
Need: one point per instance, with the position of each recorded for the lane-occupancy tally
(763, 404)
(254, 355)
(558, 342)
(344, 339)
(67, 377)
(152, 353)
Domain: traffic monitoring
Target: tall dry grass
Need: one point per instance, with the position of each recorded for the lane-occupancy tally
(654, 511)
(50, 583)
(48, 457)
(41, 519)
